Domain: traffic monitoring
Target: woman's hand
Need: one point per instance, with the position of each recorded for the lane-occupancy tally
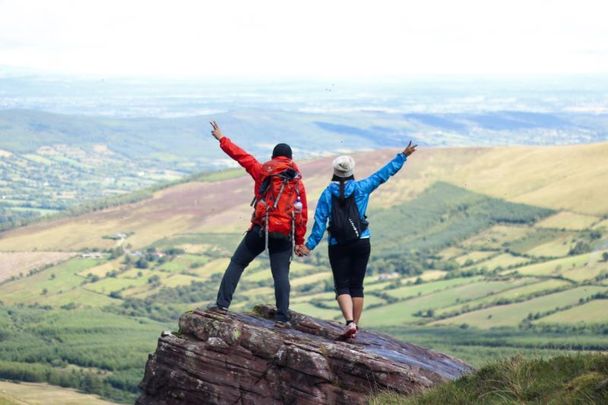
(410, 149)
(216, 131)
(302, 250)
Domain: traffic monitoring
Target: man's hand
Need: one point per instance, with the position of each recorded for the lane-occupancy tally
(410, 149)
(302, 250)
(216, 131)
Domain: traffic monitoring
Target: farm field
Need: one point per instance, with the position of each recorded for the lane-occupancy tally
(479, 272)
(24, 393)
(14, 263)
(405, 311)
(562, 266)
(528, 287)
(594, 312)
(569, 220)
(513, 314)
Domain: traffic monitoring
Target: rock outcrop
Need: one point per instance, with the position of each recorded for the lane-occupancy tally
(232, 358)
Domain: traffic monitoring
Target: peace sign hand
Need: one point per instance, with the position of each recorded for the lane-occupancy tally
(410, 149)
(216, 131)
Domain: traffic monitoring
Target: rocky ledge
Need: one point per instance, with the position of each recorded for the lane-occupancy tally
(233, 358)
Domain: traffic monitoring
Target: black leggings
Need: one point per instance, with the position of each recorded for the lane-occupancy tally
(348, 264)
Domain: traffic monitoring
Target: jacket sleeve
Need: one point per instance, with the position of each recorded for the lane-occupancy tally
(251, 164)
(301, 225)
(381, 176)
(321, 216)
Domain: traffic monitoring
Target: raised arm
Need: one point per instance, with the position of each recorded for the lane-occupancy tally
(381, 176)
(247, 161)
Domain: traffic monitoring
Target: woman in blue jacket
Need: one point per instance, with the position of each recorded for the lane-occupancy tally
(349, 259)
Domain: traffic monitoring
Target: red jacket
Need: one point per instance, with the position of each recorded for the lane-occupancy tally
(254, 168)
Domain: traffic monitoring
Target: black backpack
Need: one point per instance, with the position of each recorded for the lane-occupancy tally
(346, 224)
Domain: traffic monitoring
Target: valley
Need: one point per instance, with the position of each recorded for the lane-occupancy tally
(479, 252)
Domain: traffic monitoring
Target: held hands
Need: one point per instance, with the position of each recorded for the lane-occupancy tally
(410, 149)
(302, 250)
(216, 131)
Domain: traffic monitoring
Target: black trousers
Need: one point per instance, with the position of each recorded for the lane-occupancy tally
(249, 248)
(348, 265)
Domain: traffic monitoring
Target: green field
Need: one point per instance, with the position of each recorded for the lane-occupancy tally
(594, 312)
(513, 314)
(528, 286)
(37, 393)
(454, 268)
(563, 379)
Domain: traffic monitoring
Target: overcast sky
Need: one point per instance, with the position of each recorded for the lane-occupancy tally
(244, 38)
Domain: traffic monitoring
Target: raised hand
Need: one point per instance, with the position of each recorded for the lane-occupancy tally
(216, 131)
(410, 149)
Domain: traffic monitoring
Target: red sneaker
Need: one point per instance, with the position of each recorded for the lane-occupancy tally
(350, 330)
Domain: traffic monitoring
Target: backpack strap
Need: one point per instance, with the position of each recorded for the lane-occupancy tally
(278, 197)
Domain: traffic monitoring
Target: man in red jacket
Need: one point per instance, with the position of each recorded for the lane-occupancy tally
(275, 233)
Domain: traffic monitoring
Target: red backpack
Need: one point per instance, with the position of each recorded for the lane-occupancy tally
(277, 204)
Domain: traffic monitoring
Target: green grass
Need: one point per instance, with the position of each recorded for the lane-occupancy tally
(503, 260)
(538, 240)
(595, 311)
(368, 300)
(425, 288)
(442, 215)
(183, 263)
(221, 175)
(585, 272)
(109, 284)
(558, 246)
(90, 339)
(474, 256)
(554, 267)
(576, 379)
(380, 287)
(178, 280)
(568, 220)
(403, 311)
(54, 280)
(497, 236)
(80, 296)
(322, 313)
(312, 278)
(322, 296)
(513, 314)
(528, 286)
(216, 266)
(443, 221)
(479, 347)
(36, 393)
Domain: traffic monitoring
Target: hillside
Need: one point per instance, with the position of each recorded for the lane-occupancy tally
(560, 380)
(51, 163)
(499, 251)
(533, 175)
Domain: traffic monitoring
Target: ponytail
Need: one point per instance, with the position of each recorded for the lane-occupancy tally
(342, 180)
(341, 197)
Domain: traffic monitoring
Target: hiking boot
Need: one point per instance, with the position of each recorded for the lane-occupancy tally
(282, 324)
(217, 308)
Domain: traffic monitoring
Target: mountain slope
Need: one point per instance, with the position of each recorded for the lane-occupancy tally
(562, 177)
(451, 248)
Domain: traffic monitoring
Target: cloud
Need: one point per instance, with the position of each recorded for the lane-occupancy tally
(314, 38)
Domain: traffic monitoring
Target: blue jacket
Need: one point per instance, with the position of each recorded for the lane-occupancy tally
(362, 190)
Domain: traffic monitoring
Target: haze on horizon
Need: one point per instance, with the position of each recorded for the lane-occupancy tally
(348, 39)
